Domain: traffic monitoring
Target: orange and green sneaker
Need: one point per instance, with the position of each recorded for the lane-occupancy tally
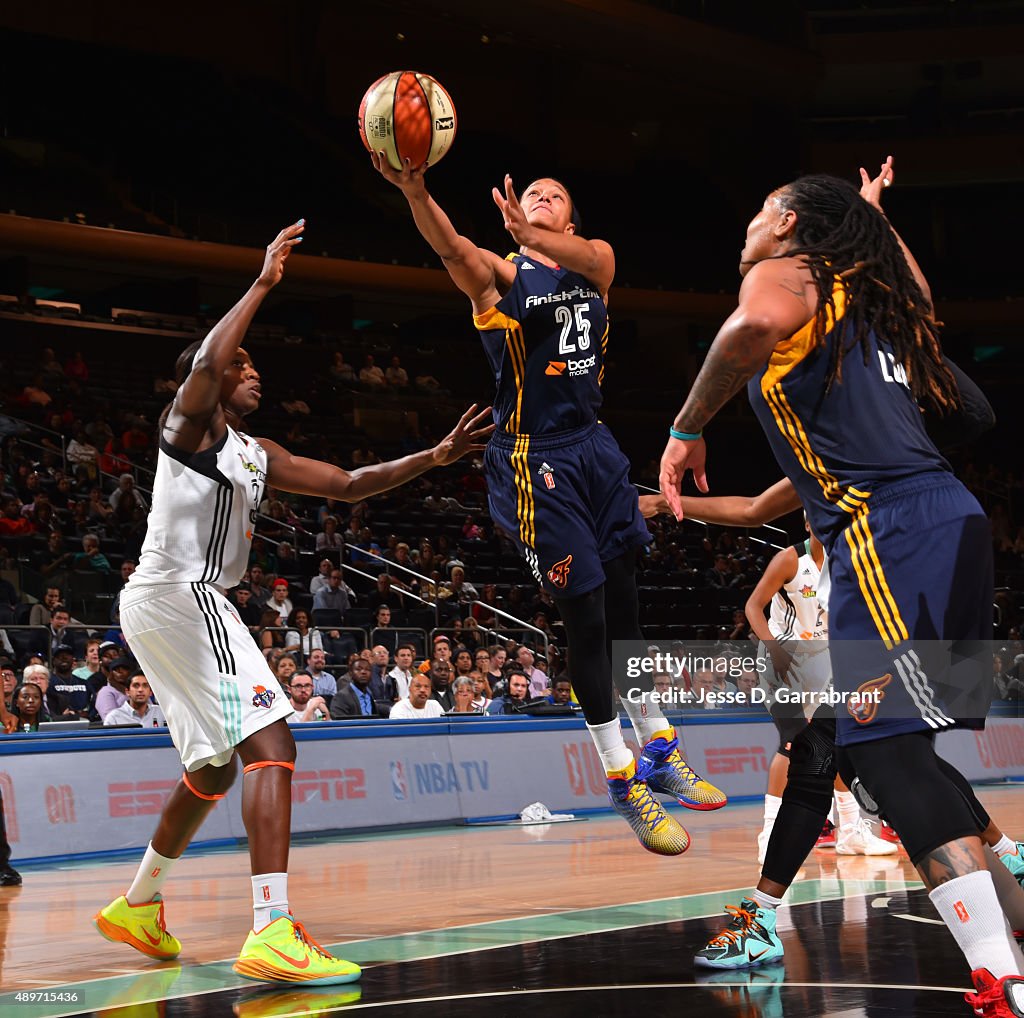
(631, 799)
(663, 768)
(283, 952)
(140, 926)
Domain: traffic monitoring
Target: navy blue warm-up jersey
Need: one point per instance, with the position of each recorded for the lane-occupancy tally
(545, 341)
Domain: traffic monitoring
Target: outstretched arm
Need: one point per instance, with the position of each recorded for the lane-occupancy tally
(871, 191)
(592, 259)
(473, 270)
(197, 402)
(314, 477)
(731, 510)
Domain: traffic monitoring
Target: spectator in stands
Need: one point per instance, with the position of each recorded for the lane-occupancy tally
(367, 554)
(115, 692)
(518, 690)
(333, 597)
(329, 539)
(401, 675)
(284, 669)
(82, 453)
(90, 557)
(561, 692)
(308, 706)
(35, 671)
(442, 652)
(371, 376)
(280, 601)
(330, 507)
(323, 576)
(539, 685)
(128, 566)
(262, 556)
(12, 523)
(10, 681)
(440, 682)
(260, 593)
(357, 698)
(1007, 686)
(463, 662)
(136, 440)
(324, 683)
(68, 693)
(495, 670)
(471, 531)
(76, 368)
(340, 372)
(380, 676)
(91, 664)
(108, 652)
(462, 696)
(381, 619)
(59, 620)
(720, 574)
(248, 612)
(271, 634)
(294, 405)
(300, 639)
(28, 707)
(458, 588)
(481, 691)
(97, 511)
(419, 703)
(41, 613)
(139, 708)
(481, 660)
(126, 489)
(396, 376)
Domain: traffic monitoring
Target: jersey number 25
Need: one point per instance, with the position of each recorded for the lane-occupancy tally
(565, 318)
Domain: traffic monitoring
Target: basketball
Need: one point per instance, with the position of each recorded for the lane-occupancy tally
(407, 115)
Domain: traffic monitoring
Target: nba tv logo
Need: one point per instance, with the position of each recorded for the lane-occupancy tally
(399, 785)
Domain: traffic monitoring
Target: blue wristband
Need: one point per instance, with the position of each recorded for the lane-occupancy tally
(684, 436)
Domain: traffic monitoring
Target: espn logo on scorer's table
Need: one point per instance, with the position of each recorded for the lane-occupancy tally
(735, 759)
(329, 785)
(138, 798)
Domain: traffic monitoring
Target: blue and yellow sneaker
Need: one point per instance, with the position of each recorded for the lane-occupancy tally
(283, 952)
(750, 939)
(664, 770)
(1014, 862)
(632, 799)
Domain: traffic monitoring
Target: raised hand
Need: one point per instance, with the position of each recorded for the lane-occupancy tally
(278, 251)
(678, 457)
(871, 187)
(512, 213)
(408, 179)
(467, 436)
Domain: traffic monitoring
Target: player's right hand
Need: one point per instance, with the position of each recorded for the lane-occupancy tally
(408, 179)
(782, 659)
(277, 253)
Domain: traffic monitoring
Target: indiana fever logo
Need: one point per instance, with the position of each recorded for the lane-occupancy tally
(558, 574)
(250, 467)
(864, 703)
(264, 697)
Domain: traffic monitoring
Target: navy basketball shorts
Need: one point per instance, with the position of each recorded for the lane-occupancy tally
(910, 612)
(566, 501)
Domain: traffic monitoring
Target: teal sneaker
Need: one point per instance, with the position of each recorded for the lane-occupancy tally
(750, 939)
(1014, 862)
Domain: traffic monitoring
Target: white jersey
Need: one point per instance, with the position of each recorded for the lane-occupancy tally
(204, 506)
(796, 612)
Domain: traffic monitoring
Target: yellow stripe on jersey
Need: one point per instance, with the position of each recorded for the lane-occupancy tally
(790, 352)
(604, 350)
(491, 320)
(887, 600)
(873, 585)
(524, 491)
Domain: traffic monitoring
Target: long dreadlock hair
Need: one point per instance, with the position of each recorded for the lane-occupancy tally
(841, 235)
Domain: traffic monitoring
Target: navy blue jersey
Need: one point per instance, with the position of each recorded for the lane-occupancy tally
(839, 447)
(546, 340)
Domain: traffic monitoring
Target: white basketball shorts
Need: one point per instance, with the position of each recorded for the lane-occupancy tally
(212, 681)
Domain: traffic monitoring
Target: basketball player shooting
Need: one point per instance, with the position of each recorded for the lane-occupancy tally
(219, 696)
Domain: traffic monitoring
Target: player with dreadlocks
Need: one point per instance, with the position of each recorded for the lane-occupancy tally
(836, 341)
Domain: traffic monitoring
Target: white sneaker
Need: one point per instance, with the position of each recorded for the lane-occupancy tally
(859, 839)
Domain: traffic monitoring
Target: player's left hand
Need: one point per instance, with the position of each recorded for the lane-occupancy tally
(678, 457)
(871, 187)
(653, 505)
(512, 213)
(469, 435)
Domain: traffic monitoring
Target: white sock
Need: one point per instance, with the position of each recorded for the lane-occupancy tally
(970, 908)
(648, 718)
(772, 804)
(847, 808)
(269, 890)
(610, 747)
(153, 871)
(1004, 846)
(765, 900)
